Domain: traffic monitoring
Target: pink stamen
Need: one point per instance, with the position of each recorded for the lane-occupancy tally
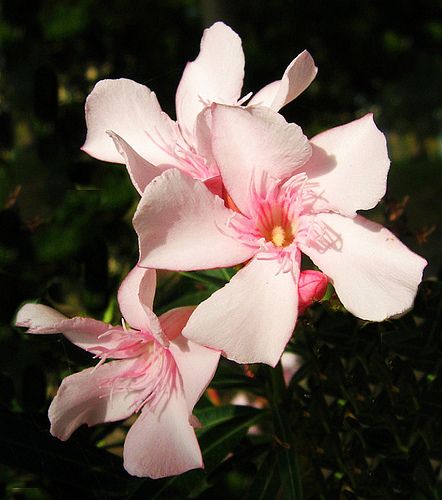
(152, 374)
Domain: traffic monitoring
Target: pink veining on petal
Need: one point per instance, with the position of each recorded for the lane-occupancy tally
(153, 373)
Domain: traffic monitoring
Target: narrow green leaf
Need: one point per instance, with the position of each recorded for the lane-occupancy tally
(267, 482)
(26, 443)
(287, 460)
(217, 415)
(108, 314)
(190, 483)
(286, 454)
(204, 278)
(223, 428)
(233, 376)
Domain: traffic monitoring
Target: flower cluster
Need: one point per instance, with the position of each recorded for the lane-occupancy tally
(229, 183)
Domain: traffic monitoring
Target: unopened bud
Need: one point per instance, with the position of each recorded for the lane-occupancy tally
(312, 286)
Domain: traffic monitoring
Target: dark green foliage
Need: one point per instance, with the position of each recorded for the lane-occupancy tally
(367, 401)
(362, 416)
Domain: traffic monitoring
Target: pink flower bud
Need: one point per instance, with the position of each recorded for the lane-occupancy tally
(312, 287)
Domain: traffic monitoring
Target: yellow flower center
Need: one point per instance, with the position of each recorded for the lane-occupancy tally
(281, 235)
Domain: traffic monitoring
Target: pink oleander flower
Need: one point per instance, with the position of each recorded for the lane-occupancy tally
(284, 195)
(156, 372)
(149, 142)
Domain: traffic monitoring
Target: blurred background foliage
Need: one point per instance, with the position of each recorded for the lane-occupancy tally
(364, 410)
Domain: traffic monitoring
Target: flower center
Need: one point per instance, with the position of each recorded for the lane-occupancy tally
(280, 237)
(277, 225)
(274, 222)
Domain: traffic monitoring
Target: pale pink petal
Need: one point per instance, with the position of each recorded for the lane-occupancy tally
(135, 297)
(141, 172)
(86, 333)
(266, 95)
(132, 111)
(181, 225)
(216, 75)
(252, 318)
(204, 147)
(203, 136)
(374, 274)
(87, 398)
(162, 442)
(311, 287)
(39, 318)
(349, 166)
(196, 365)
(297, 77)
(173, 321)
(248, 142)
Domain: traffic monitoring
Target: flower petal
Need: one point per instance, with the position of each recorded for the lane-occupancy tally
(162, 442)
(266, 95)
(173, 321)
(374, 274)
(132, 111)
(252, 318)
(86, 333)
(87, 398)
(135, 298)
(248, 142)
(216, 75)
(141, 172)
(197, 366)
(181, 226)
(349, 167)
(39, 318)
(203, 132)
(297, 77)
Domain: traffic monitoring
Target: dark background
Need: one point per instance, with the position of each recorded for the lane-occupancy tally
(65, 233)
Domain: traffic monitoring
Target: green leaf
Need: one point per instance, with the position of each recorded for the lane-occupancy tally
(25, 443)
(287, 460)
(286, 453)
(267, 481)
(217, 415)
(185, 485)
(232, 376)
(204, 278)
(223, 428)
